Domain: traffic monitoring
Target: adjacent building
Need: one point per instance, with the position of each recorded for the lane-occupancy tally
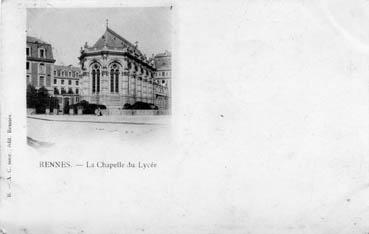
(163, 77)
(66, 85)
(39, 63)
(115, 72)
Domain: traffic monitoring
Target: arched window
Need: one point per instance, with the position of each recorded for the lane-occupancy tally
(114, 78)
(95, 78)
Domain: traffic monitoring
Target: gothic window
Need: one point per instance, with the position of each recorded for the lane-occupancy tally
(95, 78)
(117, 81)
(114, 78)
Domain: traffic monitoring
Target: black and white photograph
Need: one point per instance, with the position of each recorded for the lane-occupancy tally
(184, 117)
(106, 69)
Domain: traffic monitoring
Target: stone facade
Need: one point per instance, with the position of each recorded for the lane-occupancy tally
(115, 72)
(163, 76)
(66, 85)
(39, 63)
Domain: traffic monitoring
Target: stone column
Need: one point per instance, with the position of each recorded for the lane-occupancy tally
(124, 89)
(139, 86)
(104, 82)
(132, 87)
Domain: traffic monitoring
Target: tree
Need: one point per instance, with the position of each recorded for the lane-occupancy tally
(31, 96)
(127, 106)
(43, 100)
(40, 99)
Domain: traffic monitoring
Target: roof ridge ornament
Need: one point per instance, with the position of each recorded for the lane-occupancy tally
(107, 23)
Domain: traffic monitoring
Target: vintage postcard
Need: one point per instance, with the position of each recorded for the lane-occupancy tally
(193, 117)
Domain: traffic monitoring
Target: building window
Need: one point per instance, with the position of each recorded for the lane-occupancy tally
(41, 52)
(42, 81)
(69, 82)
(76, 82)
(28, 79)
(62, 90)
(162, 73)
(27, 66)
(62, 82)
(77, 99)
(69, 74)
(70, 91)
(54, 73)
(55, 81)
(95, 78)
(58, 72)
(63, 73)
(114, 78)
(42, 68)
(56, 91)
(28, 51)
(77, 91)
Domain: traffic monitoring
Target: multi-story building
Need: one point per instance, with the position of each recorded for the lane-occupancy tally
(163, 76)
(116, 72)
(40, 63)
(66, 84)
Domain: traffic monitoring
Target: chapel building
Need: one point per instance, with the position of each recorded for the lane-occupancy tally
(115, 72)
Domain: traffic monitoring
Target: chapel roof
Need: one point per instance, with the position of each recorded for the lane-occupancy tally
(112, 39)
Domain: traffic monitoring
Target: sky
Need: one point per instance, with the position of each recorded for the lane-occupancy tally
(67, 29)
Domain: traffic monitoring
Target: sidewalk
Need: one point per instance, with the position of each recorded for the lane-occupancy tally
(111, 119)
(69, 128)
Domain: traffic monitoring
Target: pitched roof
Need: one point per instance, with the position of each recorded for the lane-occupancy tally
(35, 40)
(114, 40)
(68, 68)
(165, 54)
